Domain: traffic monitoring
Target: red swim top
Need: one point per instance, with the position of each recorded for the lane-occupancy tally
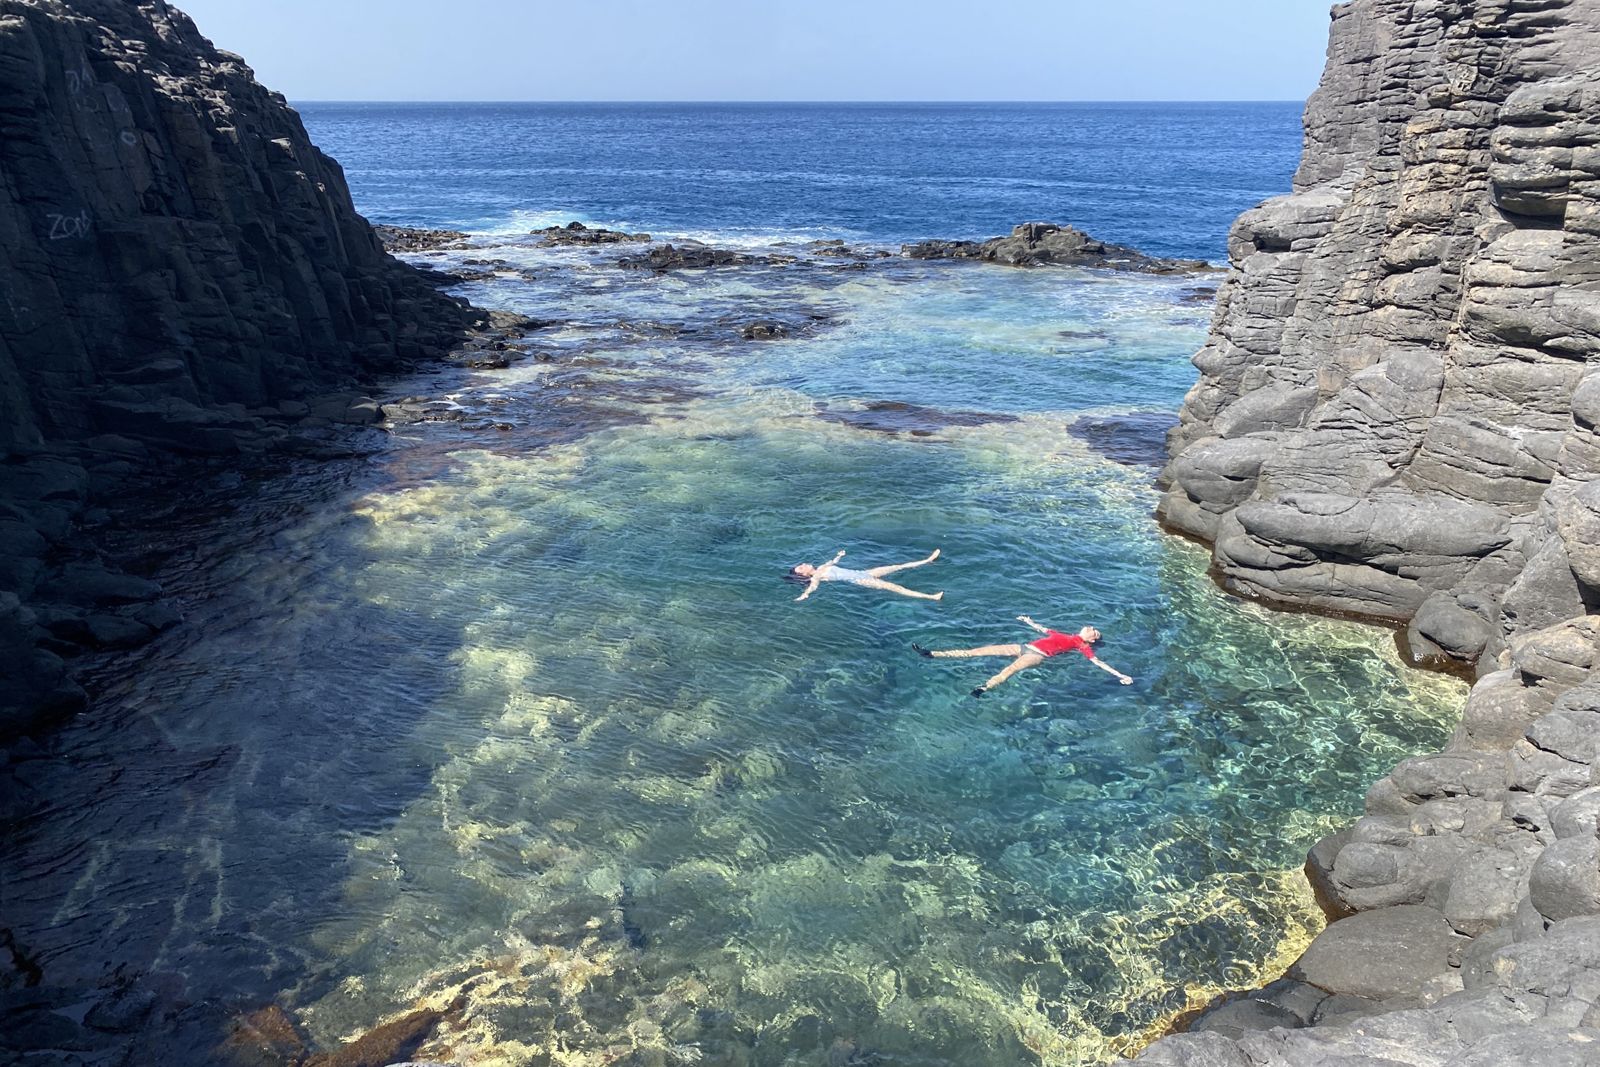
(1056, 643)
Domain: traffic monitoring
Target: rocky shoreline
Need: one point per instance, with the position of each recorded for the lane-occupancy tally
(1393, 421)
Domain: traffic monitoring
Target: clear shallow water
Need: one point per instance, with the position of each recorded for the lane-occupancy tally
(1166, 178)
(522, 719)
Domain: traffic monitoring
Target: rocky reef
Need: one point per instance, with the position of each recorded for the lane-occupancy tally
(183, 274)
(1037, 244)
(1398, 418)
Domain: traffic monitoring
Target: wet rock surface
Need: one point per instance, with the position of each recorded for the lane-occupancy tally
(1394, 419)
(1038, 244)
(576, 233)
(408, 239)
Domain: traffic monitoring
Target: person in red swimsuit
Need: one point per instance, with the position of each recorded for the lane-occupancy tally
(1033, 653)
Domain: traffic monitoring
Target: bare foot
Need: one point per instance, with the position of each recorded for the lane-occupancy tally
(939, 595)
(934, 556)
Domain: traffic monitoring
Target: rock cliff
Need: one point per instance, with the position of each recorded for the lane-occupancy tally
(180, 269)
(1398, 418)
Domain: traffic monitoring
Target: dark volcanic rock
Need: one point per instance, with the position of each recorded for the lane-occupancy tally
(763, 330)
(896, 417)
(576, 233)
(183, 272)
(171, 233)
(1137, 439)
(406, 239)
(672, 257)
(1037, 244)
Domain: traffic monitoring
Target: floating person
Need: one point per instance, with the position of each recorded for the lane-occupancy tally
(1033, 653)
(872, 579)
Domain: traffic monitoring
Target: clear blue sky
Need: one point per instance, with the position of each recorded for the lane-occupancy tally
(775, 50)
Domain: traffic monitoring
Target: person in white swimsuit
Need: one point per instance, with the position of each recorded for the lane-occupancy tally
(872, 579)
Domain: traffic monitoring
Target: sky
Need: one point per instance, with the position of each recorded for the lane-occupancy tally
(775, 49)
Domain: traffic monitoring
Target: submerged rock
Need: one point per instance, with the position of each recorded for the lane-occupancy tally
(1137, 439)
(896, 417)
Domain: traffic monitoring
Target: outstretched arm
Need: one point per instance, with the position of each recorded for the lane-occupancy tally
(1030, 622)
(835, 559)
(811, 586)
(1109, 669)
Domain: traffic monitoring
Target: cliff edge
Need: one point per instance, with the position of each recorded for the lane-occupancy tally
(1398, 418)
(180, 270)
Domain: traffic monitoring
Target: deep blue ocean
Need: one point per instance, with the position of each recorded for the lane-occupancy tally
(1165, 178)
(516, 717)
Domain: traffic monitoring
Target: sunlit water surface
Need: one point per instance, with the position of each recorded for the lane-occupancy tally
(525, 716)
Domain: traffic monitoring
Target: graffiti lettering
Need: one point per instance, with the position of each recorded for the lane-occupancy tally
(79, 83)
(64, 227)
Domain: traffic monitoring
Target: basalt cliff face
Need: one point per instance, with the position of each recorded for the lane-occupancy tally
(180, 269)
(1398, 417)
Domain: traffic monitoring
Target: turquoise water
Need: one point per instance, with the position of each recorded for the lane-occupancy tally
(517, 714)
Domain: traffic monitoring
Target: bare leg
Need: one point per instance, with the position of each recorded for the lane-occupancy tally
(986, 650)
(879, 583)
(1023, 662)
(879, 572)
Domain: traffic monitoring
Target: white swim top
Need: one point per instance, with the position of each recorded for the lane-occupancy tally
(831, 573)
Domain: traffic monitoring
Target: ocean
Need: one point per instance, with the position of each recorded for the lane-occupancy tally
(515, 717)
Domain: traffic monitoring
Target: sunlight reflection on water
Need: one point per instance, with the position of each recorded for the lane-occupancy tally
(564, 745)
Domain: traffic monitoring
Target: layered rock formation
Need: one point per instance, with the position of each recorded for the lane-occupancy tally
(1398, 417)
(181, 269)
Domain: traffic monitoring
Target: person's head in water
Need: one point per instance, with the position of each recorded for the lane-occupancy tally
(1089, 634)
(801, 574)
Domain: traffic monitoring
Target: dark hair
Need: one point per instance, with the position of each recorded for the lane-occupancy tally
(796, 577)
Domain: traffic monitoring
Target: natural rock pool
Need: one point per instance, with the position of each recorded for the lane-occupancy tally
(516, 713)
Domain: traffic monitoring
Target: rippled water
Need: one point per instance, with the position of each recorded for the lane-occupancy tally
(523, 720)
(1166, 178)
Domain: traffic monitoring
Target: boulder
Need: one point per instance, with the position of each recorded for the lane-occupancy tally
(1498, 712)
(1558, 656)
(1577, 815)
(1554, 978)
(1379, 954)
(1447, 623)
(1236, 1016)
(1484, 888)
(1194, 1050)
(1452, 774)
(1565, 881)
(1545, 593)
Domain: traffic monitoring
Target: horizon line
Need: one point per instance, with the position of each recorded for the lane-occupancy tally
(866, 103)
